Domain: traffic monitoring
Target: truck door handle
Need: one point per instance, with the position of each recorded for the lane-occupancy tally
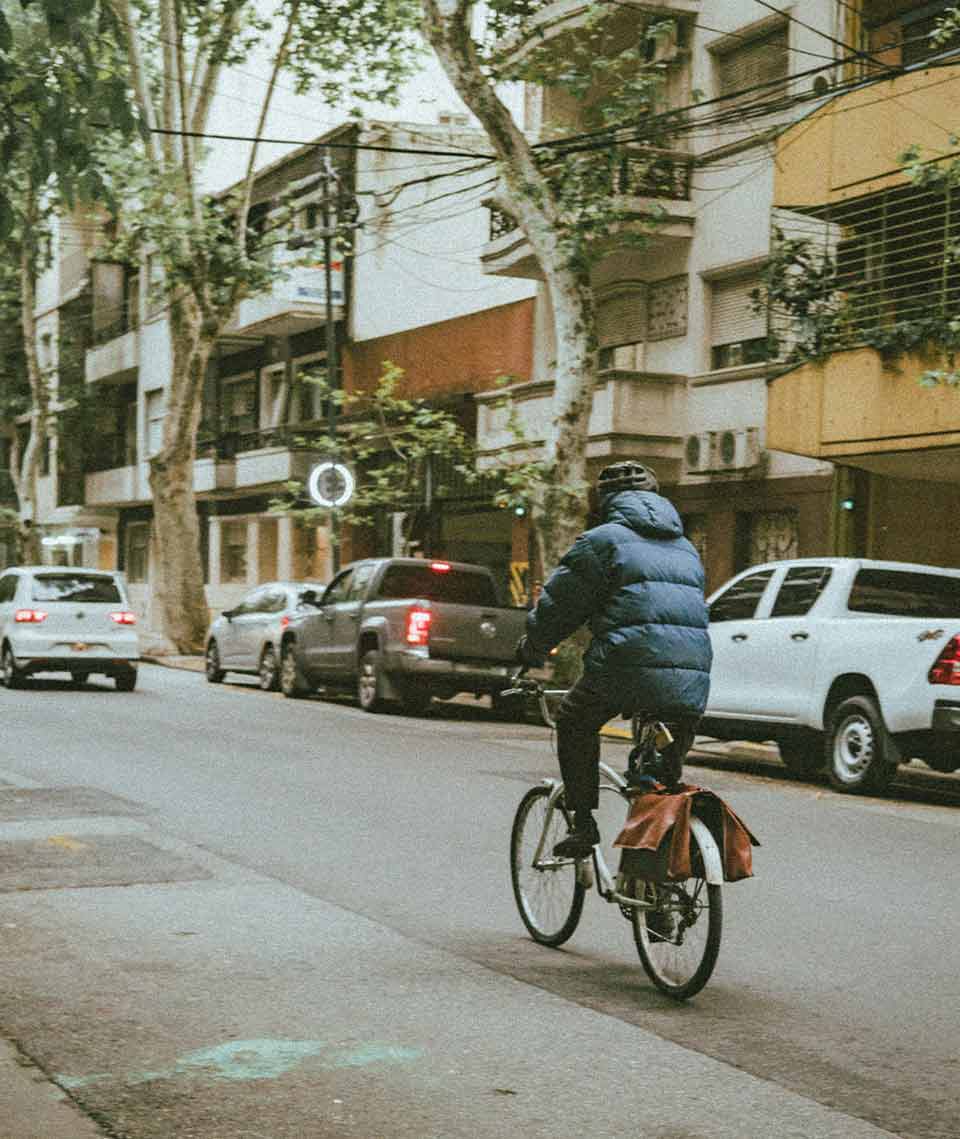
(799, 636)
(739, 637)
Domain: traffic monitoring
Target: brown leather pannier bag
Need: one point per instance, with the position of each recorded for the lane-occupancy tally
(655, 840)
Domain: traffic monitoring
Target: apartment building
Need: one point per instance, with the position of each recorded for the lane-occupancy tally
(687, 358)
(411, 300)
(889, 244)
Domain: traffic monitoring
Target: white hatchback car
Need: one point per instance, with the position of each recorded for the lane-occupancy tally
(65, 619)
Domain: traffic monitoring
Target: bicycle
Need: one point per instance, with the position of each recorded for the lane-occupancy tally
(676, 925)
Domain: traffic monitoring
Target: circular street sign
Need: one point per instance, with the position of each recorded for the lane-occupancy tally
(331, 484)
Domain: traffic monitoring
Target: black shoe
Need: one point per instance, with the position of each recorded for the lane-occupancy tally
(580, 841)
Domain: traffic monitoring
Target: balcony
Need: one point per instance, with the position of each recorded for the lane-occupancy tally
(646, 181)
(115, 355)
(275, 455)
(118, 486)
(293, 305)
(854, 409)
(638, 415)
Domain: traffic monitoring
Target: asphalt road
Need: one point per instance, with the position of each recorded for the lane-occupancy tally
(229, 915)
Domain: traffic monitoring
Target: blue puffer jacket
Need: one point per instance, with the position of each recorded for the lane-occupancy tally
(639, 583)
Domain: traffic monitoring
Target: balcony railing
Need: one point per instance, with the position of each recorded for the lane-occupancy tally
(123, 323)
(291, 437)
(640, 172)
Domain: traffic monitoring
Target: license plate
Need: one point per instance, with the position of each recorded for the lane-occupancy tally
(79, 646)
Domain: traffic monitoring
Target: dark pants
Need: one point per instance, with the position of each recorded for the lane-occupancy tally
(582, 713)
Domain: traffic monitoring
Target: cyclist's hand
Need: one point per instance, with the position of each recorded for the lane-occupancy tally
(527, 655)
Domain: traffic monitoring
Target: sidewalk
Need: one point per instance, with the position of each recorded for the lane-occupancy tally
(33, 1107)
(616, 730)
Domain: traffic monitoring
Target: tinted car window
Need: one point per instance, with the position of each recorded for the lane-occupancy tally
(76, 587)
(739, 602)
(275, 601)
(465, 587)
(338, 589)
(799, 589)
(8, 587)
(252, 603)
(904, 593)
(361, 578)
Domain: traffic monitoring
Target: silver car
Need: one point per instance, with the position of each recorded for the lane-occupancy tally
(247, 638)
(65, 619)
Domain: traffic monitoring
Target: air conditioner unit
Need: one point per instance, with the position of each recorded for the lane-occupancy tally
(737, 450)
(698, 452)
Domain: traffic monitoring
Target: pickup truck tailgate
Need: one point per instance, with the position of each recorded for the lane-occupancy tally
(474, 632)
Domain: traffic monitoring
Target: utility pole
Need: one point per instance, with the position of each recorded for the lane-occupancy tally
(327, 182)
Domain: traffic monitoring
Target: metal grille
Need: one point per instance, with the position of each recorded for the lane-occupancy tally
(882, 259)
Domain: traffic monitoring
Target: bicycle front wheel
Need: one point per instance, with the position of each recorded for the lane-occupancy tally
(547, 890)
(679, 938)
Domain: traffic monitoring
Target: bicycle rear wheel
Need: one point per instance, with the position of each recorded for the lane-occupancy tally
(678, 941)
(547, 890)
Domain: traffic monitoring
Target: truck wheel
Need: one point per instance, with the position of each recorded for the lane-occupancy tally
(370, 683)
(802, 755)
(859, 752)
(292, 684)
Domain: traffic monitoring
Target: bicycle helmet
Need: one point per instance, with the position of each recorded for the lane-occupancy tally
(628, 475)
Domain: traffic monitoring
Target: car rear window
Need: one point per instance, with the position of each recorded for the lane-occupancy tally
(464, 587)
(905, 593)
(76, 587)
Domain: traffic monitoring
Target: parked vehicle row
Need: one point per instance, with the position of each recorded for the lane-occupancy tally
(848, 664)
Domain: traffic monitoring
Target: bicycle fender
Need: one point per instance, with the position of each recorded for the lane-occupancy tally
(712, 862)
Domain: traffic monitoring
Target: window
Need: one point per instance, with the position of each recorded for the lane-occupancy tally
(239, 406)
(799, 590)
(138, 551)
(8, 587)
(156, 409)
(255, 602)
(91, 588)
(275, 600)
(740, 601)
(361, 579)
(747, 63)
(738, 333)
(234, 552)
(622, 318)
(902, 593)
(339, 588)
(464, 587)
(273, 396)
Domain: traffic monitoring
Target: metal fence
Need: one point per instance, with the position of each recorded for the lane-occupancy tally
(873, 264)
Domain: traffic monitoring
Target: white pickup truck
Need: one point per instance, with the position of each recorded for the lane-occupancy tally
(848, 664)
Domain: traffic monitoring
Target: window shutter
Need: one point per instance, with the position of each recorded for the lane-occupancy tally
(622, 319)
(732, 316)
(758, 61)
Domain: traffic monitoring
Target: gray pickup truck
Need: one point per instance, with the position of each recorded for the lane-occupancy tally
(403, 630)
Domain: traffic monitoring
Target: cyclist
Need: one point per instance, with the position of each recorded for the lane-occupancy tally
(639, 584)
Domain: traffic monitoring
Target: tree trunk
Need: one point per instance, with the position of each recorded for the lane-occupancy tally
(25, 467)
(179, 568)
(560, 507)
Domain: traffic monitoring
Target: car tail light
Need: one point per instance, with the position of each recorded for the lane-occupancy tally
(124, 618)
(946, 668)
(284, 621)
(31, 616)
(418, 626)
(440, 567)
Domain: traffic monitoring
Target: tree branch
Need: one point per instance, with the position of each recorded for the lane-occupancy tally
(209, 64)
(121, 9)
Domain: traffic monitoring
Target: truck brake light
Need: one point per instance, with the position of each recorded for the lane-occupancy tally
(418, 626)
(946, 668)
(33, 616)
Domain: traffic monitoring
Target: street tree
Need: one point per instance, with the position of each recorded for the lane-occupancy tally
(208, 257)
(50, 85)
(562, 193)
